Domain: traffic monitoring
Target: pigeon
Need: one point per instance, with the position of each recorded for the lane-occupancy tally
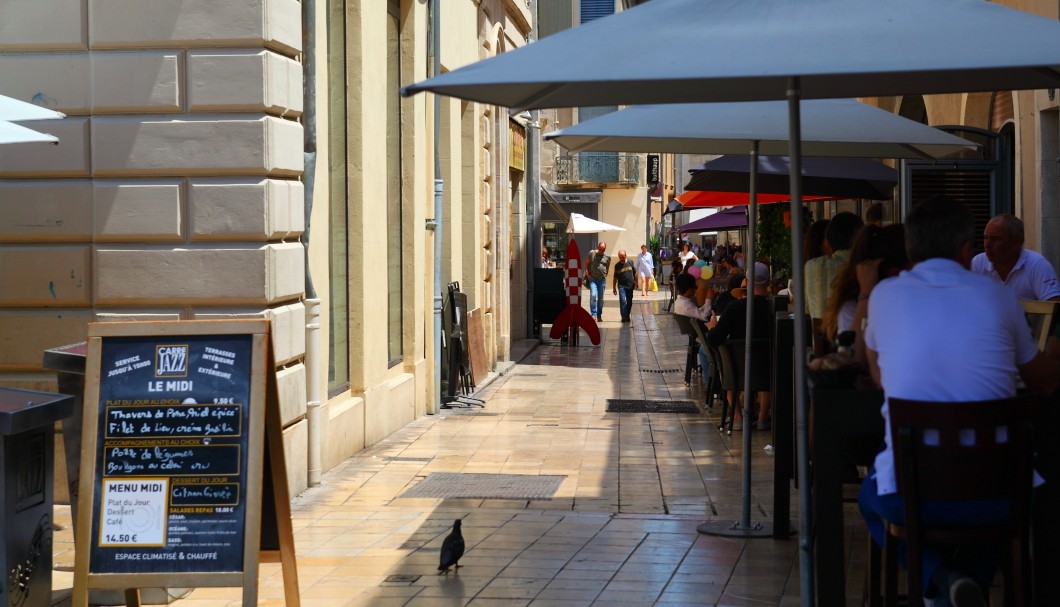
(452, 550)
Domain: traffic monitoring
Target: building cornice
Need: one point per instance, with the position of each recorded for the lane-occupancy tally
(519, 12)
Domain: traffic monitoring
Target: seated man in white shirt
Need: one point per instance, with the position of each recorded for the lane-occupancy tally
(938, 332)
(686, 305)
(1026, 272)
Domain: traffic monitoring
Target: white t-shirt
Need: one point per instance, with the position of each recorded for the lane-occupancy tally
(684, 257)
(645, 264)
(686, 306)
(845, 321)
(946, 334)
(1032, 278)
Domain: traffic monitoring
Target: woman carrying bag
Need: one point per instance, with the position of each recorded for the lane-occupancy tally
(646, 271)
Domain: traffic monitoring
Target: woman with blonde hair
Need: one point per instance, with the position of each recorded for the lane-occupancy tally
(645, 269)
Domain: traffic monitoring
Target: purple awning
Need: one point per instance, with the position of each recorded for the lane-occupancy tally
(729, 219)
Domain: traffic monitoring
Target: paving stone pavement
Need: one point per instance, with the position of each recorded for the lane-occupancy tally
(618, 530)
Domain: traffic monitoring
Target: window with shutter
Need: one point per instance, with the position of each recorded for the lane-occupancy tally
(594, 9)
(982, 180)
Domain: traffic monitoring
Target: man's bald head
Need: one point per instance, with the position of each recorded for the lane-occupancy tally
(1003, 239)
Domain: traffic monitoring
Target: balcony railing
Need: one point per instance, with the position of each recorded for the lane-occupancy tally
(598, 167)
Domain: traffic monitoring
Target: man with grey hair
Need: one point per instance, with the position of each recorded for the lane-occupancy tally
(1026, 272)
(938, 332)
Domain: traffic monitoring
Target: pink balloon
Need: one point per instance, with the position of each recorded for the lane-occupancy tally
(695, 271)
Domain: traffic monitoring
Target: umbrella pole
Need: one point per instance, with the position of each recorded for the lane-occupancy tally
(801, 434)
(744, 527)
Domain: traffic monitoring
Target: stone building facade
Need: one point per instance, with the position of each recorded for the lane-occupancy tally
(179, 191)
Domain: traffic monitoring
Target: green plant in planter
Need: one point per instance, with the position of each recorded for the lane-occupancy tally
(774, 239)
(654, 244)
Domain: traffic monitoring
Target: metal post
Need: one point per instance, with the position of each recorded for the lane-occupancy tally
(802, 441)
(647, 216)
(436, 223)
(314, 390)
(749, 256)
(744, 527)
(533, 195)
(533, 212)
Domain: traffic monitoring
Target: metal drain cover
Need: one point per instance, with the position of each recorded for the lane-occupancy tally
(615, 405)
(474, 414)
(401, 578)
(662, 370)
(486, 486)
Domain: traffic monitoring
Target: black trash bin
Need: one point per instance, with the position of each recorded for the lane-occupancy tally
(68, 362)
(27, 438)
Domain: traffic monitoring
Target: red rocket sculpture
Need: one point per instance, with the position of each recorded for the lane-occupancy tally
(574, 315)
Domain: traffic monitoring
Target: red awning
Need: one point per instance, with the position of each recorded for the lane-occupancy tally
(694, 199)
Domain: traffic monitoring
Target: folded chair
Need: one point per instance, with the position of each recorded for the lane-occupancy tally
(684, 324)
(713, 379)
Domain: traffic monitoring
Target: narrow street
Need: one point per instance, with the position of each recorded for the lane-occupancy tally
(589, 507)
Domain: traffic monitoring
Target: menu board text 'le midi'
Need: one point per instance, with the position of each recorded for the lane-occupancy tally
(171, 471)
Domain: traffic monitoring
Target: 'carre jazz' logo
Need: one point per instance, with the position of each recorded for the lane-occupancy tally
(171, 361)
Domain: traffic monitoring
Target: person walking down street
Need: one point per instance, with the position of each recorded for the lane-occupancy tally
(645, 269)
(920, 347)
(597, 265)
(623, 284)
(1026, 272)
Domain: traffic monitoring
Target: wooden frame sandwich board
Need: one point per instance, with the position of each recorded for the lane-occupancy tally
(183, 478)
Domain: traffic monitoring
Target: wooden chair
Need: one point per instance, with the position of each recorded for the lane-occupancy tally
(732, 382)
(1042, 316)
(673, 293)
(950, 471)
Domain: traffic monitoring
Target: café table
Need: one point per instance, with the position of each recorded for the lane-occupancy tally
(846, 429)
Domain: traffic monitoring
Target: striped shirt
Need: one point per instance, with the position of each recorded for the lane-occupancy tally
(819, 274)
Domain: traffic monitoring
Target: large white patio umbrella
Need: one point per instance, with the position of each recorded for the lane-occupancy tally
(13, 110)
(13, 133)
(580, 224)
(734, 50)
(831, 127)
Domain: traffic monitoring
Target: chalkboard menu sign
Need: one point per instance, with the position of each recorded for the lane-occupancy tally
(171, 454)
(174, 422)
